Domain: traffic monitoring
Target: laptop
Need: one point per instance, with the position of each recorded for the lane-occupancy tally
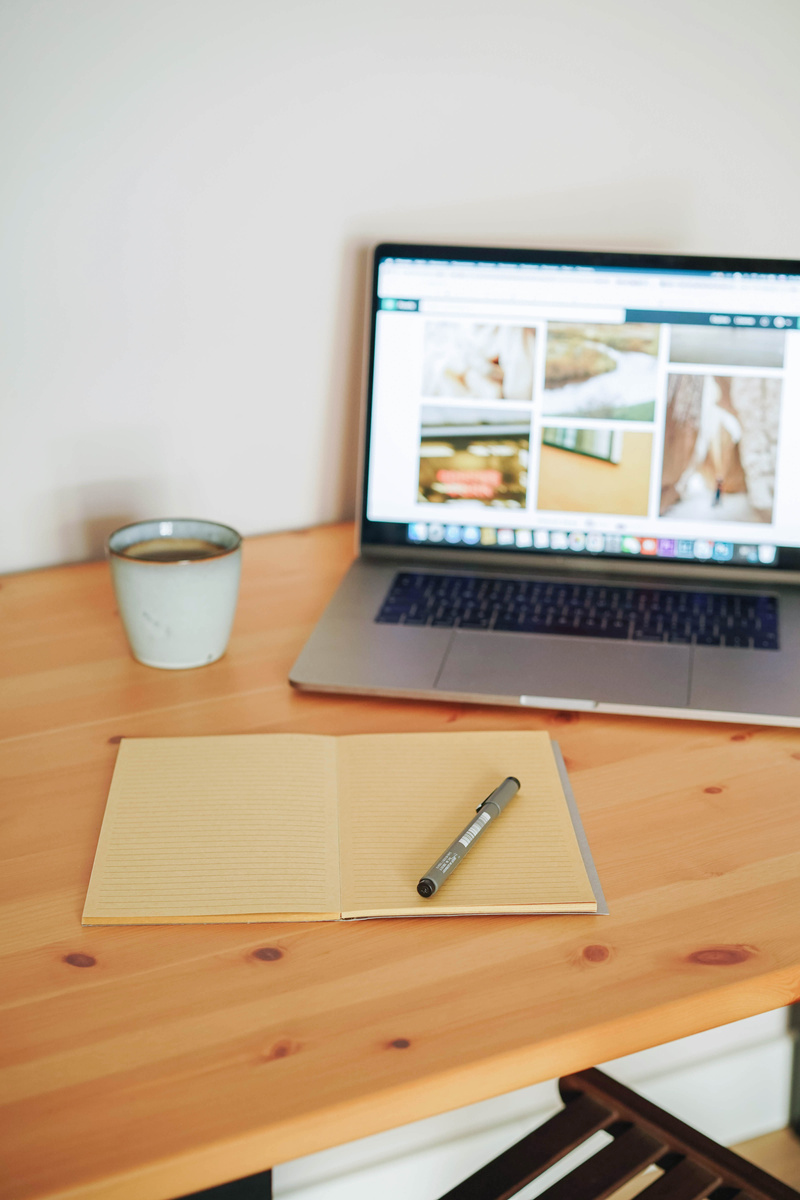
(581, 487)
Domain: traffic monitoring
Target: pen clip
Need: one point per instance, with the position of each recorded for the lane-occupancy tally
(492, 794)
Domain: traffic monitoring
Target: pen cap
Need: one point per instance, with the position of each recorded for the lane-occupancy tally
(502, 794)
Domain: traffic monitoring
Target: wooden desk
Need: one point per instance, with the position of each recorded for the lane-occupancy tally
(147, 1063)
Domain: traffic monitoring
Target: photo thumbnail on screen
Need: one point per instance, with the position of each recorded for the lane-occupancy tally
(478, 361)
(474, 455)
(720, 448)
(592, 470)
(726, 346)
(607, 371)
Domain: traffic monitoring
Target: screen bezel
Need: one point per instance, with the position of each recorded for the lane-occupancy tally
(388, 538)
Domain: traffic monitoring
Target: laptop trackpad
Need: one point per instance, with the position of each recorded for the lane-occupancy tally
(519, 664)
(746, 681)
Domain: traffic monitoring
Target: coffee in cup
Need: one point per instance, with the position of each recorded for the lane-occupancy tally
(172, 549)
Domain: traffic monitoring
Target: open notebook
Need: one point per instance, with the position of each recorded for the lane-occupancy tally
(296, 827)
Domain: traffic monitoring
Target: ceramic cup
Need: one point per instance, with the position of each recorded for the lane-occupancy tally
(176, 583)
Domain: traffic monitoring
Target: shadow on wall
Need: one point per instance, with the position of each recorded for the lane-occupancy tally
(89, 512)
(338, 487)
(646, 213)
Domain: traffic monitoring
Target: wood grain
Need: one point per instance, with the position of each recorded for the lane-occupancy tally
(139, 1064)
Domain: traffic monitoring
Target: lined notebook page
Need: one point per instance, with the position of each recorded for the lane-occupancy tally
(218, 827)
(404, 798)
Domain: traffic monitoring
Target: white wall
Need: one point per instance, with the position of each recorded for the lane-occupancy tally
(188, 187)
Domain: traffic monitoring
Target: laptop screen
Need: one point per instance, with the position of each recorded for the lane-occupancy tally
(601, 405)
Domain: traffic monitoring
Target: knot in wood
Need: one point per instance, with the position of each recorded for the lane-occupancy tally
(79, 960)
(722, 956)
(596, 954)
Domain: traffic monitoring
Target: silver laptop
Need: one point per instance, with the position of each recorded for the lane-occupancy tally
(581, 487)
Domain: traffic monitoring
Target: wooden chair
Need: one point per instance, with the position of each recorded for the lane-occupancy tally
(692, 1166)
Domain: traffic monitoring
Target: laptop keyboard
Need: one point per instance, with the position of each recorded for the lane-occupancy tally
(638, 614)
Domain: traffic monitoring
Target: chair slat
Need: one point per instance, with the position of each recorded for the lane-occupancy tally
(505, 1175)
(685, 1181)
(607, 1170)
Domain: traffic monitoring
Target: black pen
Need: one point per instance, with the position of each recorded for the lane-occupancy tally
(433, 879)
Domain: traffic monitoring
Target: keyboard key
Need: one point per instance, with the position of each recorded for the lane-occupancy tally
(616, 628)
(613, 630)
(536, 625)
(509, 624)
